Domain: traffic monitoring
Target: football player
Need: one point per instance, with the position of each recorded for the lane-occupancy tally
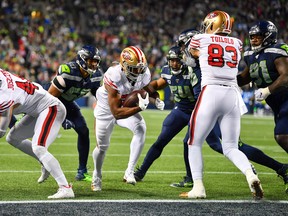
(176, 75)
(44, 115)
(219, 101)
(267, 66)
(74, 80)
(182, 81)
(120, 80)
(214, 138)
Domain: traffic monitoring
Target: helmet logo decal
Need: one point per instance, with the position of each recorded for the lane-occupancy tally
(211, 15)
(126, 56)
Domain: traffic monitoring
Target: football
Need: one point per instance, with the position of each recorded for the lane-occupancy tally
(132, 100)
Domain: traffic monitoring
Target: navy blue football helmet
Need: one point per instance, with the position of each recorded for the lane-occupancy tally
(185, 37)
(183, 42)
(175, 53)
(268, 30)
(88, 52)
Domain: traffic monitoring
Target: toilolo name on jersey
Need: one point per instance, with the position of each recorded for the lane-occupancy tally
(222, 39)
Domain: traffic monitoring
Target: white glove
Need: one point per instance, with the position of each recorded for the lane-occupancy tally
(262, 93)
(159, 104)
(189, 61)
(143, 103)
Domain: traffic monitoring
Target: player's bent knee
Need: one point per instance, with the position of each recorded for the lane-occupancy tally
(12, 139)
(282, 140)
(140, 128)
(39, 151)
(103, 147)
(84, 130)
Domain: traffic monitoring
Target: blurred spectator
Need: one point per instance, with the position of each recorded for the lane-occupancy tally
(35, 36)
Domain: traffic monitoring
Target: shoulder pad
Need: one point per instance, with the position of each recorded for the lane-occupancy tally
(248, 53)
(64, 68)
(284, 47)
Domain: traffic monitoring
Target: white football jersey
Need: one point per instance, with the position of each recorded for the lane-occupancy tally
(29, 97)
(219, 58)
(116, 79)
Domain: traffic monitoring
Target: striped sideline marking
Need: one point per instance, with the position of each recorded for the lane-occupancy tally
(144, 201)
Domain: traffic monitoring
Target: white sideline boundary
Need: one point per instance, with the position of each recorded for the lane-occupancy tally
(144, 201)
(150, 172)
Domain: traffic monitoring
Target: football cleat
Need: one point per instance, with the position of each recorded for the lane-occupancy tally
(82, 175)
(197, 192)
(129, 177)
(139, 175)
(283, 173)
(187, 182)
(44, 175)
(63, 193)
(96, 184)
(254, 185)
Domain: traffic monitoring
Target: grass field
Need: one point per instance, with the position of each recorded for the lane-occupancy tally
(223, 181)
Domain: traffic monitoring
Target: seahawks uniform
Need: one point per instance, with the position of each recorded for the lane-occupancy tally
(263, 73)
(71, 83)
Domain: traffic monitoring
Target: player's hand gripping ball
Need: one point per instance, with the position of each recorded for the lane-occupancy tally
(132, 99)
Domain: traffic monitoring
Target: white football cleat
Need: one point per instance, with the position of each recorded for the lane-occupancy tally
(129, 177)
(63, 193)
(197, 192)
(254, 185)
(44, 175)
(96, 184)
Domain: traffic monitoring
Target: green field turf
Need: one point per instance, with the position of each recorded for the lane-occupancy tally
(223, 181)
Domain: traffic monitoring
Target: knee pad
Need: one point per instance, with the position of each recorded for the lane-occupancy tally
(103, 147)
(282, 140)
(39, 151)
(10, 138)
(84, 130)
(140, 128)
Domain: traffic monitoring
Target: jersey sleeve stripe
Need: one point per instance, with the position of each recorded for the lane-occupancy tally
(109, 82)
(194, 44)
(6, 105)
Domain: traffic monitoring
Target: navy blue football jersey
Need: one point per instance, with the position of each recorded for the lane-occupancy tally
(185, 86)
(262, 68)
(263, 72)
(75, 85)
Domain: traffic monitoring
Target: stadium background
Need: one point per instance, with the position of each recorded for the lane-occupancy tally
(37, 36)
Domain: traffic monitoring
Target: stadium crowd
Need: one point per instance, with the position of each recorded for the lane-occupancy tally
(36, 36)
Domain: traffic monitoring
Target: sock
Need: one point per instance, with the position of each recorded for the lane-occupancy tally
(98, 159)
(52, 165)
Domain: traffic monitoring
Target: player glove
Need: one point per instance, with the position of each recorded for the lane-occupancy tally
(159, 104)
(189, 61)
(143, 102)
(262, 93)
(68, 124)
